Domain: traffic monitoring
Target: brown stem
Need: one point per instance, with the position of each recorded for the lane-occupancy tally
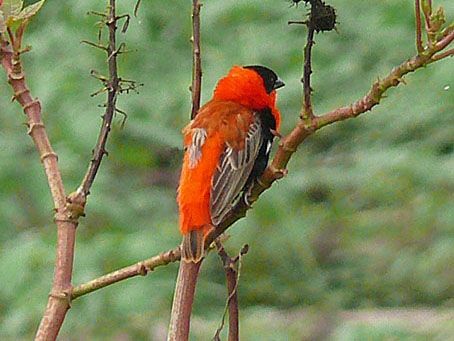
(188, 273)
(307, 103)
(139, 269)
(419, 45)
(113, 87)
(427, 10)
(182, 301)
(232, 276)
(58, 302)
(196, 86)
(442, 55)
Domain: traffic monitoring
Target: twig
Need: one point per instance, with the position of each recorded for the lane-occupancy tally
(427, 10)
(232, 277)
(196, 86)
(419, 46)
(139, 269)
(113, 88)
(442, 55)
(58, 302)
(307, 103)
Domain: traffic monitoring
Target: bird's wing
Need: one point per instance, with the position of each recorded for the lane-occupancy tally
(233, 171)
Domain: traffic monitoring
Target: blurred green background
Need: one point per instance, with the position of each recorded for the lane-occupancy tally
(356, 243)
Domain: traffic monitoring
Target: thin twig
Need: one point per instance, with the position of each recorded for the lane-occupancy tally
(232, 277)
(427, 10)
(113, 88)
(139, 269)
(419, 45)
(196, 86)
(307, 103)
(442, 55)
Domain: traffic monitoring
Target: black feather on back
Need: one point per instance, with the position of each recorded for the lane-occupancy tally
(267, 122)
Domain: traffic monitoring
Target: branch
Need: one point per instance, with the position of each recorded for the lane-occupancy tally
(188, 272)
(196, 86)
(232, 276)
(180, 317)
(58, 302)
(139, 269)
(307, 105)
(113, 89)
(419, 46)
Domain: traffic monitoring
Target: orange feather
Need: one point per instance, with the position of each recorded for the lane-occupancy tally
(223, 121)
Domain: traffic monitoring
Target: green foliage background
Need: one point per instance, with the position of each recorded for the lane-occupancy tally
(364, 220)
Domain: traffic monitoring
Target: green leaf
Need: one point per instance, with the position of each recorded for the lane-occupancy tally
(11, 7)
(30, 11)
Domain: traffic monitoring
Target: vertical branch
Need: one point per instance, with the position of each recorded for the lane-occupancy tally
(196, 60)
(188, 272)
(180, 318)
(232, 276)
(307, 103)
(427, 10)
(419, 45)
(58, 301)
(113, 88)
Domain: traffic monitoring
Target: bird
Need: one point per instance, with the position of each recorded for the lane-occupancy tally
(227, 147)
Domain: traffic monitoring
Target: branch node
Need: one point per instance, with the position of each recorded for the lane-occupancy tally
(278, 173)
(64, 296)
(32, 126)
(48, 155)
(30, 104)
(142, 269)
(15, 76)
(19, 93)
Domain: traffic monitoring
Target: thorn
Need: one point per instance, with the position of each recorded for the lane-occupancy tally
(297, 22)
(98, 46)
(125, 116)
(100, 91)
(104, 15)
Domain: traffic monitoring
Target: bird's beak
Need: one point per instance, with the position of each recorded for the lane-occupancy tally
(278, 84)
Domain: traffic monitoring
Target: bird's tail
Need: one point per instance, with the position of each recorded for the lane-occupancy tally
(193, 245)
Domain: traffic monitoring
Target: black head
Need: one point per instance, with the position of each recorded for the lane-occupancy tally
(270, 79)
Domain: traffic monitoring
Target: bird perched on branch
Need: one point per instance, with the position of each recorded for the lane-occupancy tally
(227, 146)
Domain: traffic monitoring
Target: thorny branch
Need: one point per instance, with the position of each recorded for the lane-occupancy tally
(68, 209)
(58, 302)
(307, 112)
(289, 143)
(112, 85)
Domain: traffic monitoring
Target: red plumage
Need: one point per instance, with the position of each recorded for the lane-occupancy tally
(226, 147)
